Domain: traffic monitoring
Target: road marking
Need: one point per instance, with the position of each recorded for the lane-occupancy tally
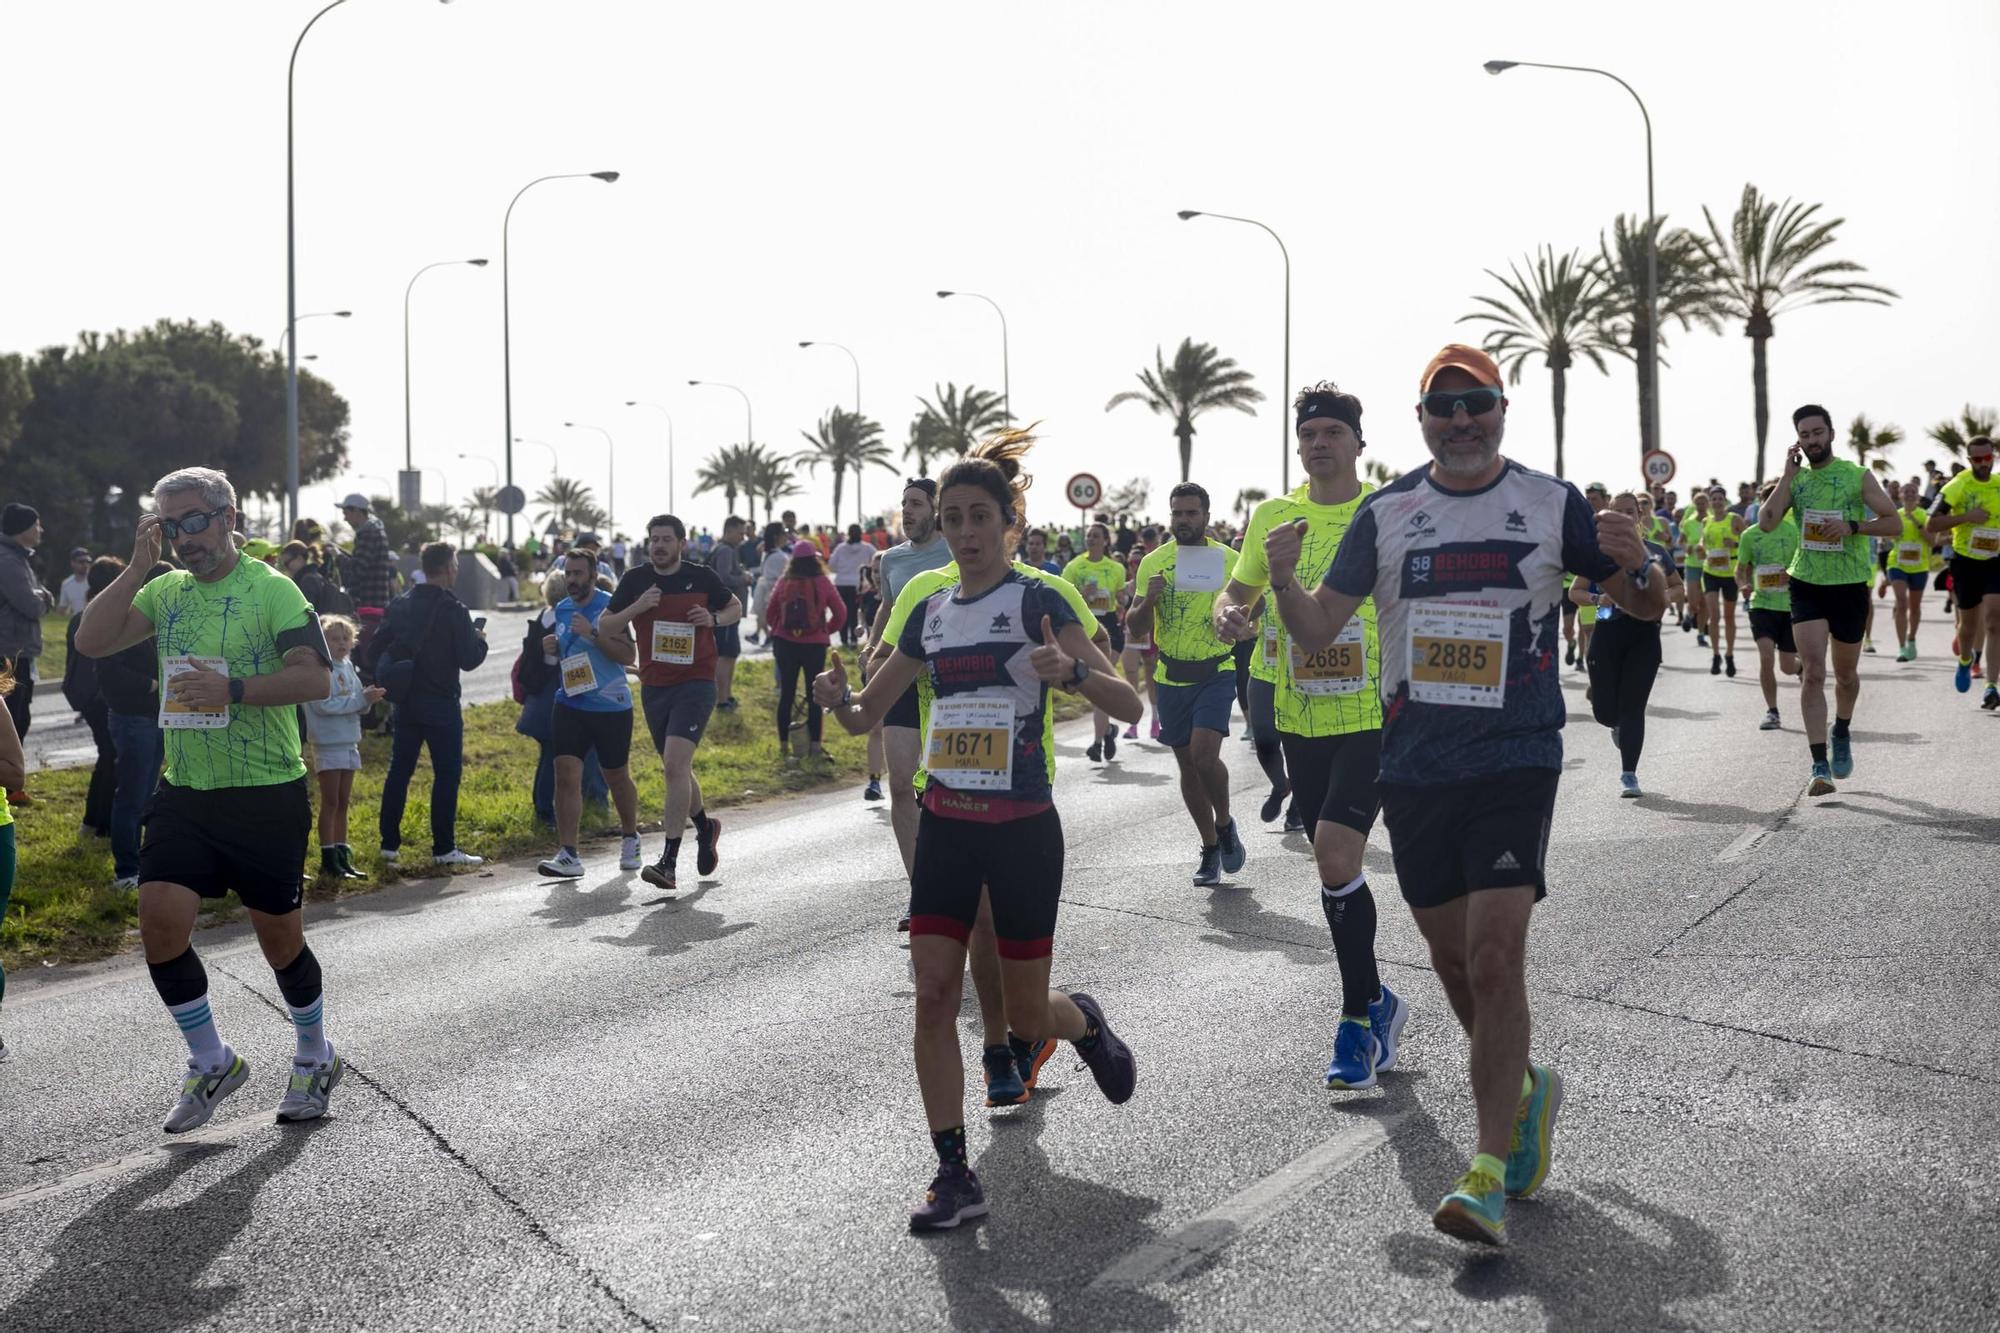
(1189, 1244)
(1746, 842)
(210, 1135)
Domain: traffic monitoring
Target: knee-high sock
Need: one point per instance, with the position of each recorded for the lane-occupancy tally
(299, 982)
(1350, 915)
(183, 986)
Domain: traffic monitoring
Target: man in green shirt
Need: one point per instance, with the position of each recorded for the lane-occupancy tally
(1761, 560)
(1969, 509)
(1840, 505)
(1100, 577)
(1195, 677)
(239, 648)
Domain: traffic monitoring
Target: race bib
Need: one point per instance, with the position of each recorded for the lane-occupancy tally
(1984, 542)
(1270, 637)
(1814, 536)
(1339, 668)
(1909, 553)
(971, 744)
(673, 641)
(1717, 562)
(1198, 569)
(1770, 578)
(180, 716)
(1095, 597)
(578, 677)
(1458, 654)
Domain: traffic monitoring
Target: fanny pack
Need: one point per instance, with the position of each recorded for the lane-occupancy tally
(1192, 670)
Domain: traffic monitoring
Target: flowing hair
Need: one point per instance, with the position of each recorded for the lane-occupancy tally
(994, 466)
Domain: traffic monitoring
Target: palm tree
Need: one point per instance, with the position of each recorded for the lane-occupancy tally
(1556, 312)
(929, 438)
(466, 523)
(732, 471)
(1200, 378)
(561, 498)
(1376, 471)
(845, 440)
(1773, 260)
(966, 415)
(485, 499)
(772, 480)
(1687, 295)
(1866, 439)
(1127, 499)
(590, 518)
(1972, 423)
(1248, 499)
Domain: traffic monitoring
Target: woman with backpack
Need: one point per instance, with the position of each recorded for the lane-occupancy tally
(805, 611)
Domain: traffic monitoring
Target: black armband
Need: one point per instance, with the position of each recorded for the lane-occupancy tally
(308, 635)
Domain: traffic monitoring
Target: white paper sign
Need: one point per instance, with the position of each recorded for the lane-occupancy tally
(1198, 569)
(177, 715)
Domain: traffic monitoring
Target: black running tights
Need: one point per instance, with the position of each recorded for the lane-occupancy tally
(1624, 660)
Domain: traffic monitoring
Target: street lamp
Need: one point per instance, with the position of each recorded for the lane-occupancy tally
(1284, 426)
(821, 342)
(284, 338)
(1652, 235)
(1006, 392)
(482, 458)
(611, 466)
(506, 313)
(476, 263)
(636, 402)
(555, 463)
(749, 423)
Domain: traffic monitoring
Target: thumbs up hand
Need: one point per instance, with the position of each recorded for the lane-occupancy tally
(1051, 663)
(831, 684)
(1281, 550)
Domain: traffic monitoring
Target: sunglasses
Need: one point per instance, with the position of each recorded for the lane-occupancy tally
(191, 524)
(1476, 402)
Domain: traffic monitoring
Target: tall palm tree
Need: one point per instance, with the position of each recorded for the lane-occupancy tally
(968, 415)
(1248, 499)
(1379, 473)
(590, 518)
(1870, 443)
(1127, 499)
(1972, 423)
(1687, 295)
(560, 498)
(929, 438)
(772, 479)
(1773, 260)
(485, 499)
(732, 471)
(845, 440)
(1200, 378)
(1556, 311)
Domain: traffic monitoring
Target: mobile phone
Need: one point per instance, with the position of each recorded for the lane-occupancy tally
(479, 622)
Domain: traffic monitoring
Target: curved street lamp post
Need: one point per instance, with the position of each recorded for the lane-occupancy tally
(822, 342)
(1285, 389)
(1006, 388)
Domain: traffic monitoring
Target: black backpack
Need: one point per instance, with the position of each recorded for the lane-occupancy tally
(79, 684)
(395, 664)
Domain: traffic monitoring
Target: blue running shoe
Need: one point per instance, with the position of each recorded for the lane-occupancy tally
(1534, 1133)
(1233, 855)
(1386, 1017)
(954, 1197)
(1353, 1064)
(1110, 1060)
(1822, 781)
(1030, 1057)
(1841, 748)
(1961, 679)
(1475, 1210)
(1004, 1086)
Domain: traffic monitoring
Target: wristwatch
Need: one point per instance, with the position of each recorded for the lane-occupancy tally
(1081, 674)
(236, 689)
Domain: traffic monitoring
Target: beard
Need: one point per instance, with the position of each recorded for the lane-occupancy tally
(1465, 455)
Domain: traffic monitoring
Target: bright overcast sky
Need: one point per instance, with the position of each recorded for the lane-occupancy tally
(819, 170)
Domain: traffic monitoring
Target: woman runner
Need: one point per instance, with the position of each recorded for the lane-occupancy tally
(1624, 658)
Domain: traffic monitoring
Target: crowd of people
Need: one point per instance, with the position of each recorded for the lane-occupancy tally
(1393, 652)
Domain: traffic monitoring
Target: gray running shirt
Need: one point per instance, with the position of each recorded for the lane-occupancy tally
(903, 562)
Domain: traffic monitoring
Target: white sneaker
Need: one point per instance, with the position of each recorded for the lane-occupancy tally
(390, 855)
(565, 864)
(125, 882)
(455, 857)
(306, 1096)
(628, 854)
(202, 1092)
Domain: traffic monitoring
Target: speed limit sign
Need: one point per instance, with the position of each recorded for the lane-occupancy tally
(1659, 466)
(1084, 490)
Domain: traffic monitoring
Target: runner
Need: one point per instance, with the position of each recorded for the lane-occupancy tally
(1841, 505)
(1762, 557)
(1625, 656)
(1328, 716)
(1100, 577)
(593, 711)
(13, 775)
(1715, 547)
(1195, 678)
(677, 606)
(992, 644)
(1265, 670)
(1969, 509)
(240, 649)
(1464, 557)
(1909, 566)
(1598, 495)
(1693, 520)
(1140, 653)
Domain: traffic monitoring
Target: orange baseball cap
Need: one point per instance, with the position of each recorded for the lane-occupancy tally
(1469, 359)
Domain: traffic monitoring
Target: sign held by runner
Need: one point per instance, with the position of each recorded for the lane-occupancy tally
(1659, 466)
(1084, 490)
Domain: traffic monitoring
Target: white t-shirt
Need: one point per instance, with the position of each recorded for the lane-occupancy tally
(846, 562)
(71, 597)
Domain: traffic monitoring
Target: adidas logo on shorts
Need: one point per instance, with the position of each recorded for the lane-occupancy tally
(1506, 862)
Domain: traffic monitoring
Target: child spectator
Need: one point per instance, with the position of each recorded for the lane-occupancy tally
(333, 725)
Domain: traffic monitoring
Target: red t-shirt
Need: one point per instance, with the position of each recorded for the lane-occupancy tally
(689, 586)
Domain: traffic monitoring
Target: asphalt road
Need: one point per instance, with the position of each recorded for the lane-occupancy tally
(579, 1106)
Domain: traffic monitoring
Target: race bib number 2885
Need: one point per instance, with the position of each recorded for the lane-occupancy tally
(1458, 654)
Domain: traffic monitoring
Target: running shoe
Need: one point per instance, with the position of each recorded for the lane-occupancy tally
(1475, 1210)
(1030, 1057)
(1354, 1052)
(1992, 699)
(1274, 804)
(1111, 1061)
(1210, 869)
(1569, 653)
(455, 857)
(1868, 645)
(311, 1085)
(389, 855)
(1534, 1133)
(873, 791)
(661, 874)
(1687, 623)
(1842, 750)
(1913, 650)
(726, 706)
(20, 799)
(1770, 722)
(1701, 638)
(125, 882)
(628, 854)
(1231, 845)
(565, 864)
(1095, 754)
(1822, 781)
(903, 926)
(954, 1196)
(1110, 743)
(1004, 1086)
(1386, 1017)
(1294, 821)
(707, 846)
(1961, 679)
(1156, 724)
(1729, 665)
(1715, 665)
(1628, 785)
(1906, 653)
(202, 1092)
(1132, 732)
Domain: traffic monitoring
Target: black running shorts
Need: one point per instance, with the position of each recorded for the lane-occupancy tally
(904, 712)
(1775, 626)
(1843, 606)
(1116, 630)
(1722, 583)
(1461, 837)
(578, 732)
(1333, 778)
(677, 710)
(248, 839)
(1972, 579)
(1019, 864)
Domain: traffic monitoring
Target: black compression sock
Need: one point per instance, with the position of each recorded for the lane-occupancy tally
(1840, 727)
(1350, 916)
(700, 819)
(673, 851)
(1819, 754)
(950, 1145)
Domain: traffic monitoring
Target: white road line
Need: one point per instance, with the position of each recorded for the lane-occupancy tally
(228, 1131)
(1745, 843)
(1189, 1244)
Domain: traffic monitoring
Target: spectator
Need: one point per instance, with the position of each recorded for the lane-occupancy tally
(75, 590)
(333, 725)
(23, 602)
(726, 559)
(296, 559)
(538, 681)
(510, 576)
(777, 554)
(847, 561)
(81, 690)
(1065, 550)
(618, 553)
(1038, 552)
(804, 611)
(429, 626)
(369, 573)
(130, 683)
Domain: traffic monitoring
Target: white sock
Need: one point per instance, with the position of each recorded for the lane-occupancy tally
(197, 1024)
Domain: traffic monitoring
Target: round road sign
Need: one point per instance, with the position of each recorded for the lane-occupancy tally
(510, 500)
(1084, 490)
(1659, 466)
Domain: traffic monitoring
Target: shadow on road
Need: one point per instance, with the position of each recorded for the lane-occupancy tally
(1704, 812)
(567, 905)
(676, 927)
(1132, 777)
(1956, 825)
